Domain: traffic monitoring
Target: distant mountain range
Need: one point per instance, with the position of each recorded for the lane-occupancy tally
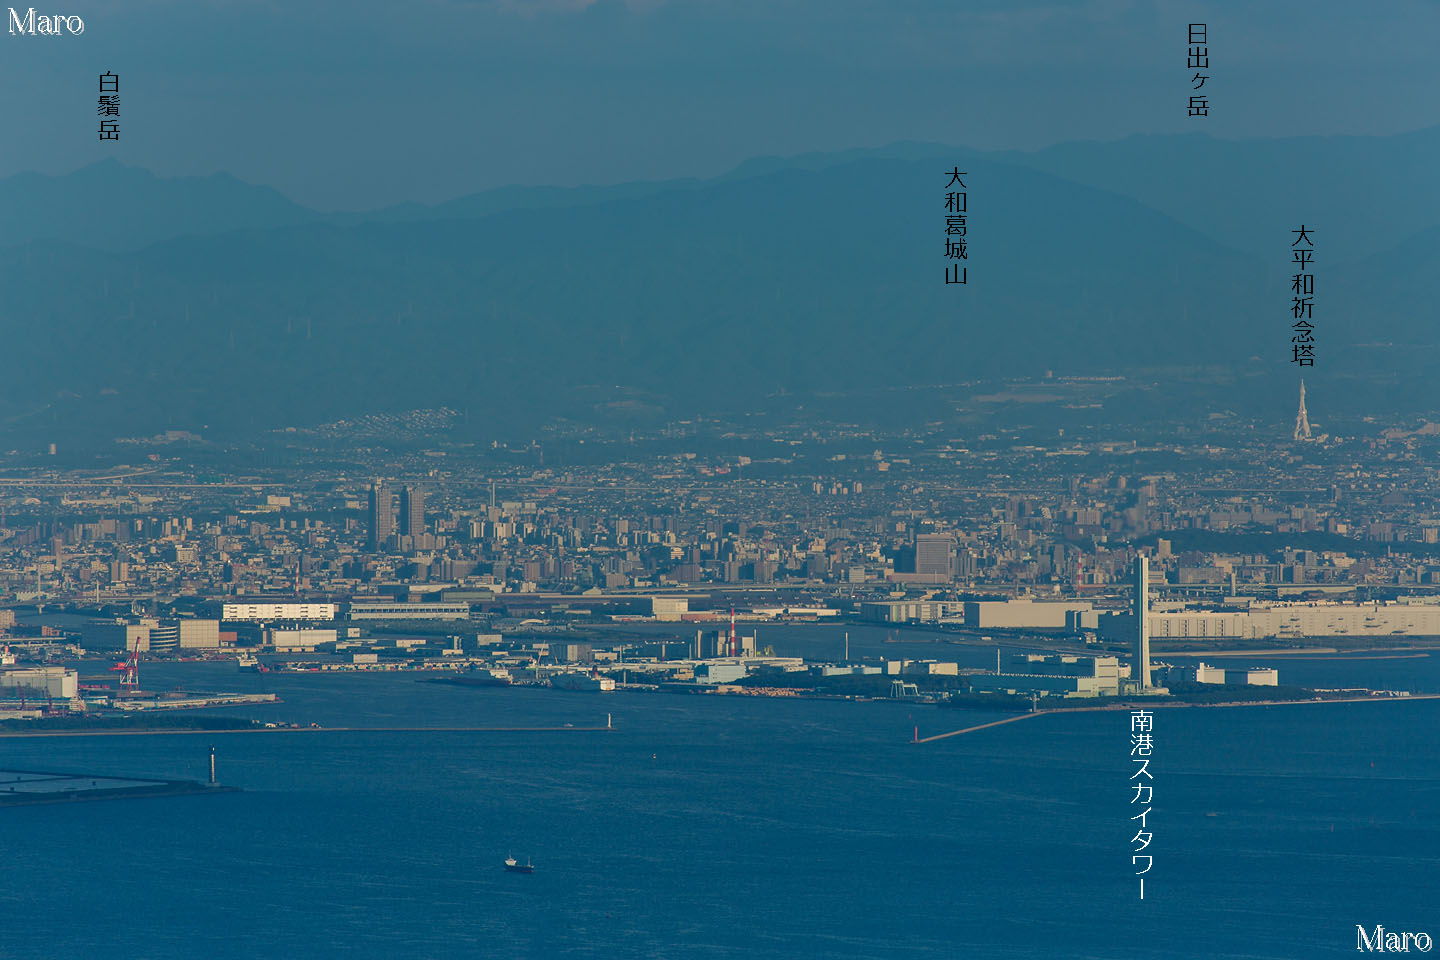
(134, 303)
(1363, 194)
(109, 206)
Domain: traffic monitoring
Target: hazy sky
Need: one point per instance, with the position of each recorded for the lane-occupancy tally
(361, 104)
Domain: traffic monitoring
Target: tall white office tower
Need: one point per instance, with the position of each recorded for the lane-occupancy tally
(1142, 622)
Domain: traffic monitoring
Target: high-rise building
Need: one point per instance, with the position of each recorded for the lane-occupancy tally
(1142, 622)
(382, 515)
(932, 553)
(412, 511)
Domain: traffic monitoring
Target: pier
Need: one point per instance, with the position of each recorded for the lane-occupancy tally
(1172, 705)
(983, 726)
(197, 702)
(101, 732)
(25, 787)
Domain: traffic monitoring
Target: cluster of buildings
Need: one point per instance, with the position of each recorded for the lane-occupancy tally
(924, 514)
(1245, 618)
(1241, 535)
(1100, 676)
(1204, 673)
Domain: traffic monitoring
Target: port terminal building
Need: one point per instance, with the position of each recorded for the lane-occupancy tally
(714, 670)
(299, 639)
(409, 611)
(910, 611)
(270, 612)
(1025, 613)
(1051, 675)
(730, 669)
(56, 683)
(669, 608)
(150, 635)
(1267, 620)
(1021, 613)
(1204, 673)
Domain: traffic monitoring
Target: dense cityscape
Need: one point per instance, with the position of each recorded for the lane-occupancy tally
(395, 545)
(635, 479)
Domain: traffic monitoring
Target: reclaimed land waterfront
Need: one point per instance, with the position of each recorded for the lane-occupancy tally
(191, 721)
(1013, 820)
(29, 787)
(1160, 704)
(707, 827)
(261, 728)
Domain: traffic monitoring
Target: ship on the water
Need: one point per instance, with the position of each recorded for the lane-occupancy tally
(480, 677)
(485, 677)
(248, 661)
(515, 866)
(583, 682)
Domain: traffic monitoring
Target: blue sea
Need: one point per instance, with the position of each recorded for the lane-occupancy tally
(706, 827)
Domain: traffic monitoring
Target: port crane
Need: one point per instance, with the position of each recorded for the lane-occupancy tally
(129, 669)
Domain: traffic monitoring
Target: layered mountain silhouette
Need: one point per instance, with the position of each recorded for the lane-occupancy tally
(215, 302)
(110, 206)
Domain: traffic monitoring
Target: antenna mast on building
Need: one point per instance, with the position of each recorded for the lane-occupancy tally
(1302, 419)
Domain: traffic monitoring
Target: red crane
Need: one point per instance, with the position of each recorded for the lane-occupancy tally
(130, 669)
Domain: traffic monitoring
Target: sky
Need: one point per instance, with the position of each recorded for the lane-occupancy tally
(357, 105)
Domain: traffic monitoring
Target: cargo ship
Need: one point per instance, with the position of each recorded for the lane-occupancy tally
(248, 661)
(482, 677)
(515, 866)
(485, 677)
(582, 682)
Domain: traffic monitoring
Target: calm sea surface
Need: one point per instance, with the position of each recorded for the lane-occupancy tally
(730, 827)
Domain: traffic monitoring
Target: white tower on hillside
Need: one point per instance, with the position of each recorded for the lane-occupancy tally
(1302, 419)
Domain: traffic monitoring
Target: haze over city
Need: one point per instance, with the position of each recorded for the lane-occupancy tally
(683, 478)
